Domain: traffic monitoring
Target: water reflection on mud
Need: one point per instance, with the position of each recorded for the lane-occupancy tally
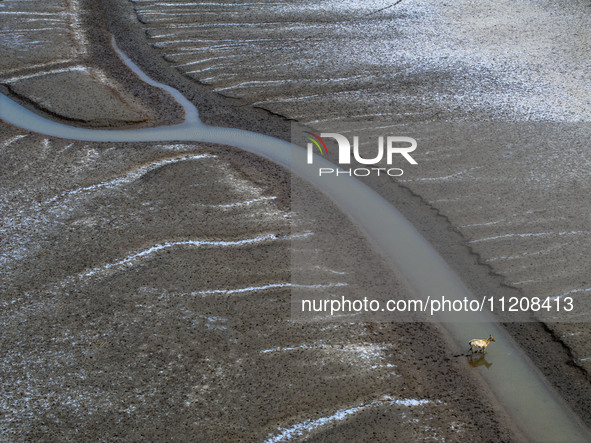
(477, 361)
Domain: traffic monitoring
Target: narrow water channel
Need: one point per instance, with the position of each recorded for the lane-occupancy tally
(517, 384)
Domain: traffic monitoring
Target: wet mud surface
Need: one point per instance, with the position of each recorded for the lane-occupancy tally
(143, 299)
(519, 206)
(142, 282)
(55, 58)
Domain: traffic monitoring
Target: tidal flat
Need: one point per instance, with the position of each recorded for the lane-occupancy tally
(110, 335)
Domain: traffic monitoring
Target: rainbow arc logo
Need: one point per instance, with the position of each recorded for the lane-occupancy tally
(318, 142)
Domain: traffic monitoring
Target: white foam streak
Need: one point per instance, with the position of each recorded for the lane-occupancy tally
(127, 178)
(52, 71)
(529, 234)
(573, 291)
(244, 203)
(446, 177)
(308, 426)
(482, 224)
(264, 287)
(43, 14)
(133, 258)
(12, 140)
(39, 66)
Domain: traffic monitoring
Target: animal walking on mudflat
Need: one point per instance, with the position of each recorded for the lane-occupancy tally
(478, 345)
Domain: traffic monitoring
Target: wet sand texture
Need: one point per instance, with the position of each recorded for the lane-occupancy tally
(416, 61)
(50, 60)
(519, 206)
(165, 341)
(132, 311)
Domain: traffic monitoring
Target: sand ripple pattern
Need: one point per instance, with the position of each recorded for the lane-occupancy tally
(518, 208)
(374, 61)
(249, 53)
(45, 58)
(145, 285)
(42, 34)
(516, 203)
(40, 38)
